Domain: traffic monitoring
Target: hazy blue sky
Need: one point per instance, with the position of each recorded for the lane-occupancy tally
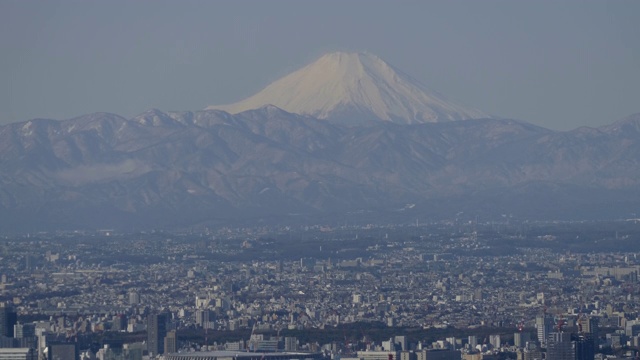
(559, 64)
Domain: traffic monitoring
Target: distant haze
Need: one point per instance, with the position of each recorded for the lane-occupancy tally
(560, 65)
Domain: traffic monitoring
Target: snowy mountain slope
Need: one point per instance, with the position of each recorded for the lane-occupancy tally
(179, 169)
(354, 87)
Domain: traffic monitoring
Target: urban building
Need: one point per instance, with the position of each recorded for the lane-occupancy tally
(134, 298)
(290, 344)
(18, 354)
(63, 351)
(473, 341)
(584, 346)
(473, 356)
(204, 318)
(520, 339)
(439, 354)
(532, 351)
(544, 326)
(495, 341)
(170, 343)
(8, 319)
(588, 324)
(378, 355)
(156, 331)
(24, 331)
(560, 347)
(234, 355)
(407, 355)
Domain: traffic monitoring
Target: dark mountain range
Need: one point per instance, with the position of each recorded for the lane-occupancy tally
(170, 170)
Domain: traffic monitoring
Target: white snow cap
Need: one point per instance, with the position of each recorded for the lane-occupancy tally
(348, 86)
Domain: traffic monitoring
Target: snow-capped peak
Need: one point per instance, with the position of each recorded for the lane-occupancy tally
(354, 87)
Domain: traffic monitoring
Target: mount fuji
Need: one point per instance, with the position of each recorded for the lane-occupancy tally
(354, 88)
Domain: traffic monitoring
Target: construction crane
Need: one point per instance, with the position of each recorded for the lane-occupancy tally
(253, 330)
(561, 323)
(580, 317)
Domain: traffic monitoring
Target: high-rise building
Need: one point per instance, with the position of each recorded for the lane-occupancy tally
(133, 351)
(156, 331)
(204, 318)
(24, 330)
(588, 325)
(8, 318)
(520, 339)
(632, 328)
(560, 347)
(170, 343)
(495, 341)
(41, 335)
(532, 352)
(290, 344)
(134, 298)
(119, 322)
(544, 326)
(401, 343)
(473, 341)
(28, 262)
(24, 336)
(584, 345)
(408, 355)
(63, 351)
(356, 298)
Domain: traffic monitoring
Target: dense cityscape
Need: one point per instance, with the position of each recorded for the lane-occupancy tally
(449, 290)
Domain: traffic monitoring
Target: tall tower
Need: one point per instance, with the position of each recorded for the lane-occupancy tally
(495, 341)
(532, 352)
(21, 331)
(544, 326)
(134, 298)
(473, 341)
(156, 331)
(170, 342)
(290, 344)
(584, 345)
(8, 319)
(402, 342)
(520, 339)
(560, 347)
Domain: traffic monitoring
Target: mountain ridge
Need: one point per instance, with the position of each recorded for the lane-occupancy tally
(210, 167)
